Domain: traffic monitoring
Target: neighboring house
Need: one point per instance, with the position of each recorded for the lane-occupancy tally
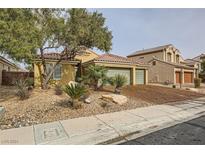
(135, 72)
(196, 61)
(7, 66)
(166, 65)
(65, 71)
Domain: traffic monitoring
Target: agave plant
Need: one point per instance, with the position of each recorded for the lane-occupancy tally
(75, 92)
(118, 81)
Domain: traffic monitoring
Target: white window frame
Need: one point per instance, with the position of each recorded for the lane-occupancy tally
(54, 73)
(53, 77)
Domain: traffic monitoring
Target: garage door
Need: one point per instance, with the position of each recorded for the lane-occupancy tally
(188, 77)
(140, 76)
(114, 71)
(177, 77)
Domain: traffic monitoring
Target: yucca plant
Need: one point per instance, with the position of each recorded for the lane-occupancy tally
(22, 87)
(75, 92)
(118, 81)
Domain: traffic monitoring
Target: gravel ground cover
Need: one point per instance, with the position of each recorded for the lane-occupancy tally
(44, 106)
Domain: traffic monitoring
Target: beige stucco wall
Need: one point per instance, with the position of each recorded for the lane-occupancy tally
(161, 55)
(148, 57)
(89, 55)
(160, 73)
(68, 73)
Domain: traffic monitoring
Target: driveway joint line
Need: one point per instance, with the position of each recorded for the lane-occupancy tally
(111, 127)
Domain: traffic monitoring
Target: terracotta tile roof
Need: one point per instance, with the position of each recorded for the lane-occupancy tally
(115, 59)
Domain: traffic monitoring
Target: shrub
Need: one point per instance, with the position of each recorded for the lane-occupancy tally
(75, 92)
(94, 74)
(118, 81)
(58, 90)
(174, 86)
(22, 92)
(197, 82)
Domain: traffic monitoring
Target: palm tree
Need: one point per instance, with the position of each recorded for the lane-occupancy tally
(95, 74)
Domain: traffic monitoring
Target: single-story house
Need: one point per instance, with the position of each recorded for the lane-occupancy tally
(135, 72)
(166, 65)
(65, 71)
(68, 70)
(7, 66)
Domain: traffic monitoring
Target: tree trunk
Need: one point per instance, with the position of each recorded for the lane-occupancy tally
(46, 77)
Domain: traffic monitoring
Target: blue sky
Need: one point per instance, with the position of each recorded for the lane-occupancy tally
(135, 29)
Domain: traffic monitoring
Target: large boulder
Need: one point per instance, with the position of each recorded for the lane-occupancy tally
(118, 99)
(2, 111)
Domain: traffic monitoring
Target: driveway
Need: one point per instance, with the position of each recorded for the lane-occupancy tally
(188, 133)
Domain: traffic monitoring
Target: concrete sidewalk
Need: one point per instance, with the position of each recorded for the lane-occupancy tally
(110, 128)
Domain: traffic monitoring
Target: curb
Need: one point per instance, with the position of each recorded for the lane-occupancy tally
(137, 134)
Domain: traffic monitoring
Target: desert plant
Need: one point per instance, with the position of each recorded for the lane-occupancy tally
(94, 74)
(197, 82)
(75, 92)
(22, 92)
(118, 81)
(58, 90)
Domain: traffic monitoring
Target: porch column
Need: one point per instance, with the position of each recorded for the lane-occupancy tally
(146, 76)
(133, 75)
(182, 76)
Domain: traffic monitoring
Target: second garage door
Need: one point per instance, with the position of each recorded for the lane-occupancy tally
(114, 71)
(140, 76)
(188, 77)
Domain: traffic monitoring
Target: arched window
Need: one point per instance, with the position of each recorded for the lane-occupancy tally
(169, 57)
(177, 58)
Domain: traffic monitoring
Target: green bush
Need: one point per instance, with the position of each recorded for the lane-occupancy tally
(22, 87)
(75, 92)
(118, 81)
(58, 90)
(96, 74)
(197, 82)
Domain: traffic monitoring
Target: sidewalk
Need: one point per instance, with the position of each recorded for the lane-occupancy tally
(107, 128)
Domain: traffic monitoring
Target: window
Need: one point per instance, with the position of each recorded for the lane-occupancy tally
(169, 57)
(177, 58)
(154, 63)
(49, 68)
(9, 69)
(57, 72)
(141, 58)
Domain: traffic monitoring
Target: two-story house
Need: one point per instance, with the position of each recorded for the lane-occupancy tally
(166, 65)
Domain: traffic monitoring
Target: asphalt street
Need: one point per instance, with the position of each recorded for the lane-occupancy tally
(188, 133)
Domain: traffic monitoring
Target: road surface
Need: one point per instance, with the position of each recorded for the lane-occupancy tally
(188, 133)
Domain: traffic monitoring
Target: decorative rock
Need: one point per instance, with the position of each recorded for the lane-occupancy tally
(118, 99)
(2, 111)
(87, 100)
(73, 83)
